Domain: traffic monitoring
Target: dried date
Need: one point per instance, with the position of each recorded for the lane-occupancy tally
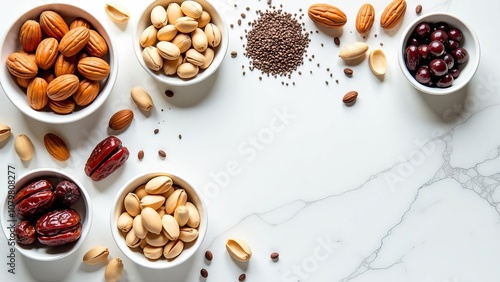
(25, 232)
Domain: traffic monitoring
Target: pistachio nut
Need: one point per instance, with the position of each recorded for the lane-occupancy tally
(178, 198)
(159, 16)
(173, 249)
(209, 58)
(124, 222)
(167, 33)
(192, 9)
(194, 215)
(152, 58)
(187, 70)
(238, 249)
(194, 57)
(114, 270)
(170, 227)
(151, 220)
(174, 12)
(152, 201)
(159, 184)
(117, 12)
(131, 239)
(168, 50)
(181, 215)
(139, 228)
(214, 34)
(157, 240)
(143, 100)
(143, 243)
(186, 24)
(96, 255)
(183, 41)
(148, 36)
(199, 40)
(188, 234)
(153, 252)
(24, 148)
(5, 132)
(161, 211)
(140, 191)
(170, 68)
(132, 204)
(204, 19)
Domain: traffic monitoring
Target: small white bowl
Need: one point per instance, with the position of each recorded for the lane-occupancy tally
(37, 251)
(220, 51)
(470, 42)
(136, 255)
(17, 95)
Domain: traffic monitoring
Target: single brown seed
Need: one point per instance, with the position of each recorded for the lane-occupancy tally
(274, 256)
(243, 15)
(348, 71)
(418, 9)
(169, 93)
(162, 154)
(231, 25)
(248, 8)
(156, 131)
(180, 136)
(140, 155)
(239, 21)
(204, 273)
(242, 277)
(336, 40)
(234, 54)
(209, 256)
(350, 98)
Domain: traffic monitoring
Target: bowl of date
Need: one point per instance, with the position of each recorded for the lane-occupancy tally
(47, 214)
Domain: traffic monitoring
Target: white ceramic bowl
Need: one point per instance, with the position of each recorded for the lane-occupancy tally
(470, 42)
(17, 95)
(220, 51)
(37, 251)
(136, 254)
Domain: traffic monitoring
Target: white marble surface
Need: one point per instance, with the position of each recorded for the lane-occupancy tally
(399, 187)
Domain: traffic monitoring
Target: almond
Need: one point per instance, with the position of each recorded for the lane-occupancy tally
(96, 46)
(393, 14)
(21, 65)
(350, 97)
(93, 68)
(46, 53)
(74, 41)
(36, 93)
(30, 35)
(365, 18)
(64, 65)
(53, 24)
(63, 107)
(121, 119)
(86, 93)
(62, 87)
(327, 15)
(80, 22)
(56, 147)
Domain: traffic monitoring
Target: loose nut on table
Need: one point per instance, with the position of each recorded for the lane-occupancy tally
(365, 18)
(114, 270)
(327, 15)
(353, 51)
(56, 147)
(393, 14)
(97, 254)
(23, 147)
(121, 119)
(5, 132)
(117, 12)
(238, 249)
(142, 98)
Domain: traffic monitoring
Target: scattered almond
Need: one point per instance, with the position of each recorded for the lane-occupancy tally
(56, 147)
(121, 119)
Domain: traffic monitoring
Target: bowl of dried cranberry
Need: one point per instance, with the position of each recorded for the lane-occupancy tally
(439, 53)
(47, 214)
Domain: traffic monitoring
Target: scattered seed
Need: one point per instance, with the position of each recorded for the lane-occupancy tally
(322, 44)
(231, 25)
(348, 71)
(375, 35)
(418, 9)
(156, 131)
(247, 8)
(275, 256)
(239, 21)
(169, 93)
(140, 155)
(180, 136)
(234, 54)
(204, 273)
(381, 44)
(209, 256)
(242, 277)
(337, 81)
(336, 40)
(326, 82)
(235, 5)
(162, 154)
(243, 15)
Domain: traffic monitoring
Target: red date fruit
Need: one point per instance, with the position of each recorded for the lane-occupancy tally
(35, 204)
(67, 192)
(59, 227)
(32, 188)
(25, 232)
(107, 156)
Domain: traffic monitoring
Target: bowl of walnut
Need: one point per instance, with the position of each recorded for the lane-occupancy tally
(59, 63)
